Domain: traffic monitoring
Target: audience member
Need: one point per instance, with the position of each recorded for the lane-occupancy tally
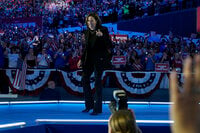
(59, 58)
(123, 121)
(50, 93)
(73, 60)
(30, 58)
(185, 110)
(43, 59)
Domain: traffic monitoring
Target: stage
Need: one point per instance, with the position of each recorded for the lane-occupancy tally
(150, 116)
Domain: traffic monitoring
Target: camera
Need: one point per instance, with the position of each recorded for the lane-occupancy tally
(119, 102)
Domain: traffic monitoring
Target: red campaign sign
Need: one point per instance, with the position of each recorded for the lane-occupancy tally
(119, 60)
(1, 32)
(118, 37)
(121, 37)
(162, 67)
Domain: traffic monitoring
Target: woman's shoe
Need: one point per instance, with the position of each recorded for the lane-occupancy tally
(95, 113)
(86, 110)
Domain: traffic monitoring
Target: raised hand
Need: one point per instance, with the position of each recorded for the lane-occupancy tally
(79, 64)
(99, 33)
(186, 109)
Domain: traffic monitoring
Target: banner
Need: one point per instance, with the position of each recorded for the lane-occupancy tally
(73, 84)
(35, 79)
(119, 60)
(136, 84)
(117, 38)
(162, 67)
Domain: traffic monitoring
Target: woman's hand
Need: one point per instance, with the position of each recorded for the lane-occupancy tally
(99, 33)
(79, 64)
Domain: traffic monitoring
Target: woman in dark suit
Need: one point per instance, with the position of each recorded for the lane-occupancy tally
(96, 58)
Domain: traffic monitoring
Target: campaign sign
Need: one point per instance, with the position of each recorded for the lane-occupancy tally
(162, 67)
(118, 60)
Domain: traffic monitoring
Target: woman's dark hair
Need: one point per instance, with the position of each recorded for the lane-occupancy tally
(96, 17)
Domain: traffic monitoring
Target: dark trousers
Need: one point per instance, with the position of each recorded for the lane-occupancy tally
(90, 100)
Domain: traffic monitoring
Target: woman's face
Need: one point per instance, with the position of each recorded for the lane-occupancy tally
(91, 22)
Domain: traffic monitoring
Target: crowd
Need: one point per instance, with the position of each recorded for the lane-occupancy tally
(39, 49)
(63, 13)
(44, 47)
(184, 102)
(51, 49)
(143, 52)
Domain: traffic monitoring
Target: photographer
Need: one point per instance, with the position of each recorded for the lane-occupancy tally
(122, 119)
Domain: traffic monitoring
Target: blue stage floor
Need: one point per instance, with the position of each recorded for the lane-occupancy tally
(30, 112)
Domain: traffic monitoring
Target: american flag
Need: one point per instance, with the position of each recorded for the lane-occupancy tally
(20, 77)
(54, 46)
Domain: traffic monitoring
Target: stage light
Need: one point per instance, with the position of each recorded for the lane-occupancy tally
(4, 103)
(155, 121)
(20, 124)
(161, 103)
(72, 120)
(82, 102)
(63, 101)
(99, 121)
(32, 102)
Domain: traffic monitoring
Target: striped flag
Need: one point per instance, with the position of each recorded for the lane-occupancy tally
(23, 76)
(54, 46)
(17, 78)
(20, 77)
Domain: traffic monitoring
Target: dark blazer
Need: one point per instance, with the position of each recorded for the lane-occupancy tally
(101, 50)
